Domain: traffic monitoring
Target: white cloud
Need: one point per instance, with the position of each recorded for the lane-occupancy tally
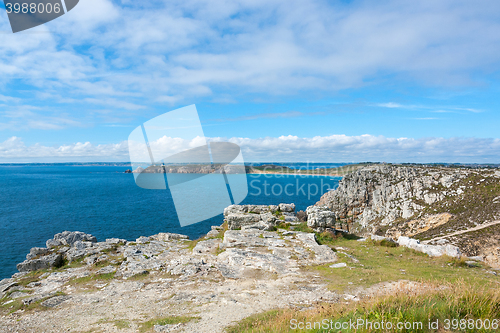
(390, 105)
(334, 148)
(14, 149)
(27, 117)
(179, 49)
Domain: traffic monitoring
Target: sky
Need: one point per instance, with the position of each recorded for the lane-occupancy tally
(317, 81)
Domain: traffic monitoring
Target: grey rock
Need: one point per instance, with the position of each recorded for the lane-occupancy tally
(233, 263)
(431, 250)
(167, 236)
(40, 263)
(79, 245)
(269, 219)
(377, 238)
(382, 238)
(238, 220)
(320, 217)
(286, 207)
(207, 246)
(258, 216)
(6, 286)
(142, 240)
(377, 195)
(115, 241)
(250, 238)
(252, 209)
(107, 270)
(54, 301)
(292, 219)
(36, 251)
(19, 275)
(63, 249)
(442, 241)
(32, 299)
(52, 243)
(166, 328)
(323, 253)
(9, 283)
(471, 263)
(339, 265)
(74, 254)
(69, 238)
(213, 233)
(259, 226)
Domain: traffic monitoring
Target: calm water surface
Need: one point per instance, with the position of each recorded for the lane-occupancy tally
(40, 201)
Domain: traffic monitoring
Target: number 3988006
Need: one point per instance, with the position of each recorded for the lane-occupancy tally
(33, 8)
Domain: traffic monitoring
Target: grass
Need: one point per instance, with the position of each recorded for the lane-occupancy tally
(433, 303)
(172, 320)
(84, 280)
(32, 276)
(385, 243)
(18, 304)
(113, 249)
(301, 227)
(121, 323)
(379, 264)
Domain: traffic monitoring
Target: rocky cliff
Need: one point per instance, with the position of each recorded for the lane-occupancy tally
(227, 275)
(260, 258)
(437, 205)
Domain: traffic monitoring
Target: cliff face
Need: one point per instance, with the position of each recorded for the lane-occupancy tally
(380, 195)
(433, 204)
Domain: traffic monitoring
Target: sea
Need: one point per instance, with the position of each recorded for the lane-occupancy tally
(38, 201)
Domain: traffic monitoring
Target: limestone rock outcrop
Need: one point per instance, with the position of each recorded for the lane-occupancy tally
(69, 238)
(456, 205)
(379, 195)
(431, 250)
(260, 217)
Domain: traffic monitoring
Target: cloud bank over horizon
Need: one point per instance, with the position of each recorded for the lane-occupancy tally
(224, 51)
(334, 148)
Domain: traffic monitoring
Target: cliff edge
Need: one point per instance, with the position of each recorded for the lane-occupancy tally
(437, 205)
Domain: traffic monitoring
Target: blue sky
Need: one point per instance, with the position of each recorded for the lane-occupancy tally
(323, 81)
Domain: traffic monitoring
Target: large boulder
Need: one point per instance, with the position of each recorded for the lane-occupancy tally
(320, 217)
(287, 207)
(269, 219)
(51, 260)
(36, 251)
(167, 236)
(238, 220)
(69, 238)
(251, 209)
(258, 216)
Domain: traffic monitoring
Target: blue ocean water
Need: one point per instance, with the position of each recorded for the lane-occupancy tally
(38, 201)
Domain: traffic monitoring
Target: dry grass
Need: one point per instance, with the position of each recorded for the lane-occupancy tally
(430, 302)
